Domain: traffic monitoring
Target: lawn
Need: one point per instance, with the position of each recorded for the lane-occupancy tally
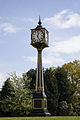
(40, 118)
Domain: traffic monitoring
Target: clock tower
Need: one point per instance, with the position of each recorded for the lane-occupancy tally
(39, 40)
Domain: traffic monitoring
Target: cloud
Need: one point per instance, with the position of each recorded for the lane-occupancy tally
(2, 79)
(0, 17)
(53, 60)
(69, 46)
(31, 58)
(53, 55)
(9, 28)
(48, 60)
(64, 19)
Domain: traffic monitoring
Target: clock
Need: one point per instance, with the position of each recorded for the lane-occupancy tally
(37, 36)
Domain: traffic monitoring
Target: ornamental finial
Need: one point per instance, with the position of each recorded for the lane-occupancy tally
(39, 21)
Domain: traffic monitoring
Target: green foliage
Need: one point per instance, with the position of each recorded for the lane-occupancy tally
(15, 98)
(62, 87)
(31, 74)
(65, 89)
(73, 70)
(66, 92)
(65, 109)
(7, 89)
(51, 90)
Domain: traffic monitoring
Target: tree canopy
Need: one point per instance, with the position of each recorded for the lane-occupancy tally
(62, 87)
(15, 99)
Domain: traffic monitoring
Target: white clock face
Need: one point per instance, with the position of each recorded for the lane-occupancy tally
(37, 36)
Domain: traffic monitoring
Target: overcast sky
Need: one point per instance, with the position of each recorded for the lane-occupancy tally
(60, 17)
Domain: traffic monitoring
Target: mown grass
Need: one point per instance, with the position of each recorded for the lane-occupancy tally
(41, 118)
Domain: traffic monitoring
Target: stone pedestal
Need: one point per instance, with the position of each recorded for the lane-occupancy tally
(39, 105)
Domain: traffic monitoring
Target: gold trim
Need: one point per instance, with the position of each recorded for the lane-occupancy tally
(37, 108)
(42, 100)
(39, 49)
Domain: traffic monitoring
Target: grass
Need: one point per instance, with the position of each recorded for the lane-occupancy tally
(41, 118)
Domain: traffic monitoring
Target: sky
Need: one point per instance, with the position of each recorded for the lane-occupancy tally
(60, 17)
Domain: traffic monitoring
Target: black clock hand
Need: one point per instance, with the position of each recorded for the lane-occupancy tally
(38, 37)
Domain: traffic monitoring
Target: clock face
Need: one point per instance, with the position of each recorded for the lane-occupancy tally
(37, 36)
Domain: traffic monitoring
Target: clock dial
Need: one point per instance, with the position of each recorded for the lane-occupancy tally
(37, 36)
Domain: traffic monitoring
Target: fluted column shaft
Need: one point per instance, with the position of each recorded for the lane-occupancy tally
(39, 76)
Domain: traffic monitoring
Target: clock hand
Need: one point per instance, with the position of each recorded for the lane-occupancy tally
(38, 37)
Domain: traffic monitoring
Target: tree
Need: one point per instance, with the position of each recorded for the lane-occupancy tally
(73, 70)
(65, 89)
(7, 91)
(65, 109)
(31, 74)
(17, 100)
(51, 90)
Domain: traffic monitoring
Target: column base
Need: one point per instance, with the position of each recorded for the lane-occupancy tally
(39, 112)
(39, 105)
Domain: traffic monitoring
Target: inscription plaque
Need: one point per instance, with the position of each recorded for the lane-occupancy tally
(37, 103)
